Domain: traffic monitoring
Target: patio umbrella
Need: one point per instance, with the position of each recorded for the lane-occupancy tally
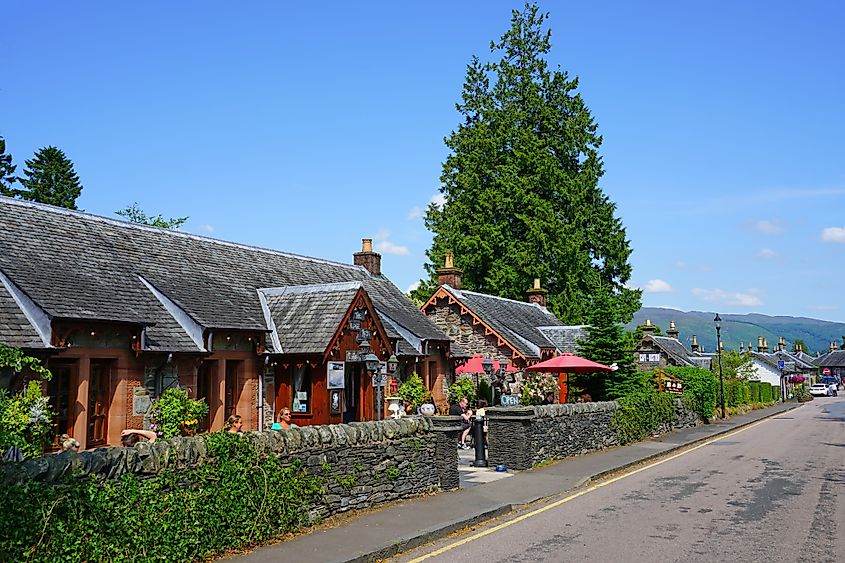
(473, 365)
(565, 364)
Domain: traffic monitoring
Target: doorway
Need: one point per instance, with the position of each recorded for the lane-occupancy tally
(205, 390)
(98, 402)
(351, 393)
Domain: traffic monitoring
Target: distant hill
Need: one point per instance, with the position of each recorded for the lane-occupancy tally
(816, 334)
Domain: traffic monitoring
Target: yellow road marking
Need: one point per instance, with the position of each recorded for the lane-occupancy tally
(573, 496)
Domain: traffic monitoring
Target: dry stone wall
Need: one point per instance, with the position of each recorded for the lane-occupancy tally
(361, 464)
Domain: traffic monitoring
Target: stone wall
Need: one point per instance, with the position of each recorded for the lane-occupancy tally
(522, 437)
(362, 464)
(462, 331)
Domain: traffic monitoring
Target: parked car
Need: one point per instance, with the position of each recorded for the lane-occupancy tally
(819, 390)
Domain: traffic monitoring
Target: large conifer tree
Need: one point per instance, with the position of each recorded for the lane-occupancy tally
(50, 178)
(7, 171)
(521, 190)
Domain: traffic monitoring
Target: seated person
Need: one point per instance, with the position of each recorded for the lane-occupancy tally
(68, 444)
(131, 436)
(234, 424)
(284, 422)
(460, 409)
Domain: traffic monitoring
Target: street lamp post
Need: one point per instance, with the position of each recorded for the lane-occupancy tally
(718, 321)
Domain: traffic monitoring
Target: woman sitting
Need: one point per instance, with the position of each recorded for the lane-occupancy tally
(284, 422)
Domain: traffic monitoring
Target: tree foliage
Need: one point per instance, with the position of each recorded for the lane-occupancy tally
(7, 171)
(520, 185)
(135, 214)
(50, 179)
(607, 343)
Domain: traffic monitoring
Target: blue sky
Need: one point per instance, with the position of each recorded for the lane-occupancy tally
(306, 128)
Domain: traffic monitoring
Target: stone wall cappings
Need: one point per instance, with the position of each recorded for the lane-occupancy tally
(362, 464)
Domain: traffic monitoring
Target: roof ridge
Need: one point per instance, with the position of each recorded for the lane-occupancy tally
(506, 299)
(139, 226)
(310, 288)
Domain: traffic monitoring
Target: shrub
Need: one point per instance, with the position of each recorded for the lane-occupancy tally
(535, 386)
(641, 413)
(737, 392)
(240, 499)
(25, 421)
(462, 387)
(414, 391)
(700, 389)
(174, 410)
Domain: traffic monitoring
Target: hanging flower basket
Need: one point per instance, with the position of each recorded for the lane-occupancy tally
(796, 379)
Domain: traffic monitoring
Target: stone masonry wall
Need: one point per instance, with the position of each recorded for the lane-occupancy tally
(362, 464)
(461, 330)
(522, 437)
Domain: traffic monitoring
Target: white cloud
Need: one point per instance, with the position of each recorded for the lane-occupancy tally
(413, 286)
(386, 246)
(769, 227)
(415, 213)
(680, 264)
(657, 286)
(207, 228)
(766, 253)
(834, 234)
(747, 299)
(439, 200)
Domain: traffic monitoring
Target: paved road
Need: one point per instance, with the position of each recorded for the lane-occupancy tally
(773, 491)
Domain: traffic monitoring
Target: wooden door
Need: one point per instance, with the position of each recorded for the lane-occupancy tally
(59, 393)
(205, 388)
(98, 402)
(230, 404)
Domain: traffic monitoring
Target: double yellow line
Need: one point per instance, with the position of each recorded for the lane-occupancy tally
(582, 492)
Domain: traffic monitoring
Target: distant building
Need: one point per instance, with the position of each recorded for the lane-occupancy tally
(655, 351)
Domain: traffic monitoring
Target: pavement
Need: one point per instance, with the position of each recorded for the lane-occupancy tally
(484, 494)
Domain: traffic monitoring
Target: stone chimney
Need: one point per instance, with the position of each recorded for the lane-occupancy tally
(648, 328)
(449, 274)
(741, 347)
(760, 344)
(672, 332)
(371, 261)
(781, 344)
(537, 294)
(765, 345)
(834, 345)
(694, 345)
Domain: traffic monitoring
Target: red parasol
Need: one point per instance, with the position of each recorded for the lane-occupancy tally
(473, 365)
(565, 364)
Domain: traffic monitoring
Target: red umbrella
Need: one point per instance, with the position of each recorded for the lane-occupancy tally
(473, 365)
(565, 364)
(569, 363)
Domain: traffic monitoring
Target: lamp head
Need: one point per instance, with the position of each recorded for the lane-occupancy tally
(718, 321)
(373, 363)
(487, 365)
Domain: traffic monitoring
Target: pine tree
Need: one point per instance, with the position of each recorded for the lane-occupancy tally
(607, 343)
(50, 179)
(7, 171)
(521, 191)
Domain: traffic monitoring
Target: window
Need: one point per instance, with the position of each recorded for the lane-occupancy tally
(58, 389)
(301, 387)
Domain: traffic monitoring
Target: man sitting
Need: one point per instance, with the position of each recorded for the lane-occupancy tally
(460, 409)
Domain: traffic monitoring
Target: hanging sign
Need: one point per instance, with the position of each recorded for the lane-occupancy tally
(335, 375)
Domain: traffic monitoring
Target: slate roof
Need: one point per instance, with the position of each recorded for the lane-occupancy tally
(768, 359)
(80, 266)
(674, 348)
(790, 357)
(516, 321)
(564, 338)
(305, 318)
(15, 328)
(833, 359)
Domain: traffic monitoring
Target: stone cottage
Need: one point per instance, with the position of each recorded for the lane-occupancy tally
(120, 312)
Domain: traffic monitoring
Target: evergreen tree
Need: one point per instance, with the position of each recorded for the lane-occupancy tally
(7, 171)
(135, 214)
(607, 343)
(520, 185)
(50, 179)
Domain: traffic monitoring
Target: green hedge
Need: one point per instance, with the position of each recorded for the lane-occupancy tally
(754, 391)
(700, 389)
(737, 392)
(238, 500)
(641, 412)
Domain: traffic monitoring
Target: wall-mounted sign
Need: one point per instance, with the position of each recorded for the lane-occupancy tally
(380, 379)
(335, 375)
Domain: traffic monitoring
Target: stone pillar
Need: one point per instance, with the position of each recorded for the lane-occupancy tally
(446, 430)
(509, 437)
